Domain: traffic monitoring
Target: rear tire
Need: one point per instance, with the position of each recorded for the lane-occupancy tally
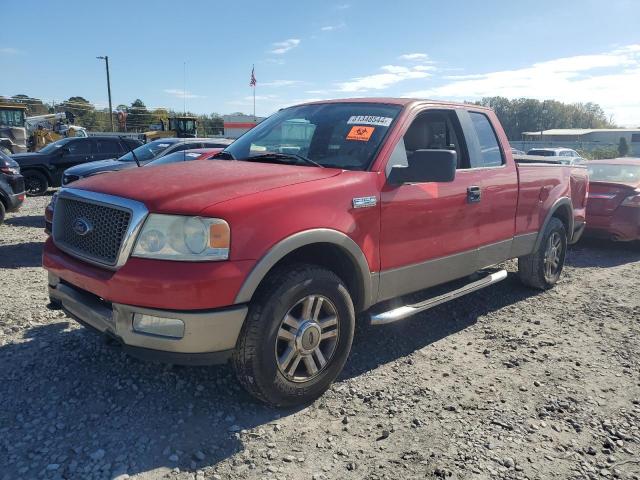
(297, 336)
(542, 268)
(3, 211)
(35, 183)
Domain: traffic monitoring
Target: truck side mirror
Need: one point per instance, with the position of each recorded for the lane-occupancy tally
(426, 166)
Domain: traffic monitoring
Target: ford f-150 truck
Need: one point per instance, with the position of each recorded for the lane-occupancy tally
(322, 212)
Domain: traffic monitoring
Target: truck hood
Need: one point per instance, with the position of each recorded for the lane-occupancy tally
(91, 168)
(24, 158)
(188, 188)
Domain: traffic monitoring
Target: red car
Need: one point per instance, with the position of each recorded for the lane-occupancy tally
(323, 211)
(613, 209)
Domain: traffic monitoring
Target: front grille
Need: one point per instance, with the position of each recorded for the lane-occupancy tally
(105, 225)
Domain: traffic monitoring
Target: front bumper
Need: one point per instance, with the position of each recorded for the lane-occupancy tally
(15, 201)
(209, 336)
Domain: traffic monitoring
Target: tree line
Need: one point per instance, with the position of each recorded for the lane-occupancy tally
(530, 115)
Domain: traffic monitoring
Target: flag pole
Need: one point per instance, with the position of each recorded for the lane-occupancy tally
(254, 94)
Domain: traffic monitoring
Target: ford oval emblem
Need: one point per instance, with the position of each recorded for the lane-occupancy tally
(81, 226)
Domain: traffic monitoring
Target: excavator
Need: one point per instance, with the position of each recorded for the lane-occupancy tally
(179, 126)
(19, 133)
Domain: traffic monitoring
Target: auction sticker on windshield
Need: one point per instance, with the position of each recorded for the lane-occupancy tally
(370, 120)
(360, 133)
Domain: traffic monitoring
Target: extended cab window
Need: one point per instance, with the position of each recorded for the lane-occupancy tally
(490, 154)
(336, 135)
(432, 130)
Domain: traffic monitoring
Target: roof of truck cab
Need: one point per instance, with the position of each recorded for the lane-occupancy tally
(397, 101)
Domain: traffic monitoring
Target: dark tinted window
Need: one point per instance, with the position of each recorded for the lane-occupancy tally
(490, 153)
(108, 146)
(635, 137)
(79, 147)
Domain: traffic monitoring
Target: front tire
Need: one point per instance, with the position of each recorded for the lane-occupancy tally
(297, 336)
(542, 268)
(35, 183)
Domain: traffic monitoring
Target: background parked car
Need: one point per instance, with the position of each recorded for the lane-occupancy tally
(185, 156)
(515, 151)
(145, 154)
(565, 156)
(11, 186)
(613, 209)
(44, 169)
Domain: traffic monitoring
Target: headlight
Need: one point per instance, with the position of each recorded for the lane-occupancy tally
(174, 237)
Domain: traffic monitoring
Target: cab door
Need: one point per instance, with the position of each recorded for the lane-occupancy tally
(430, 231)
(497, 186)
(74, 152)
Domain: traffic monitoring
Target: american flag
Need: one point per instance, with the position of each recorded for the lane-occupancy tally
(252, 82)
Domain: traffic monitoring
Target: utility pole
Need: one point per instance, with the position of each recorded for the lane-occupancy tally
(106, 61)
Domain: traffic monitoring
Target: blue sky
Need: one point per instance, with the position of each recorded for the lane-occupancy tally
(568, 50)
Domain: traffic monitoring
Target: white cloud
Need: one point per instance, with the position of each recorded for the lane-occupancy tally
(379, 81)
(248, 100)
(178, 93)
(9, 51)
(317, 92)
(414, 57)
(281, 83)
(285, 46)
(331, 28)
(610, 79)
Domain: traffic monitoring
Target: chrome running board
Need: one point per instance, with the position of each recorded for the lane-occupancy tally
(400, 313)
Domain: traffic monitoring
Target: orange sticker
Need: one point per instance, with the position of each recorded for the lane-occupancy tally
(360, 133)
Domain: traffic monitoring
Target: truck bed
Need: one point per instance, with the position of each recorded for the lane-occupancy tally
(541, 182)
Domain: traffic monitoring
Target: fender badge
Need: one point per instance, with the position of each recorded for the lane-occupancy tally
(364, 202)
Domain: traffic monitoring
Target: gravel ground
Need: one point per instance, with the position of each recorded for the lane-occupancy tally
(504, 383)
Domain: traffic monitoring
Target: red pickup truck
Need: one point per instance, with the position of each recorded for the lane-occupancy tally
(323, 211)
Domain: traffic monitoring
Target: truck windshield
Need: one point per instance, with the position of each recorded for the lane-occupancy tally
(335, 135)
(146, 152)
(11, 118)
(614, 173)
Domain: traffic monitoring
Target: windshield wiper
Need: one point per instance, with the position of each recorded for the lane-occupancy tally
(285, 156)
(130, 151)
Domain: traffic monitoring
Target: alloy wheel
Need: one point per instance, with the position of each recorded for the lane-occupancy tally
(307, 338)
(552, 256)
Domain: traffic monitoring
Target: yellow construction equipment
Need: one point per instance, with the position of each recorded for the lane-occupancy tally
(179, 126)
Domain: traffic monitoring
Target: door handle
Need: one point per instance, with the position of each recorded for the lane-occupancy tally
(474, 194)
